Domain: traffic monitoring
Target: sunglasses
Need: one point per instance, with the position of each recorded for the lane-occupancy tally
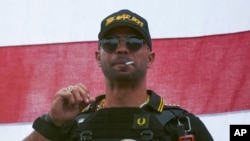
(110, 44)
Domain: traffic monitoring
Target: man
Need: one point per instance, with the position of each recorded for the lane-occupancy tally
(127, 111)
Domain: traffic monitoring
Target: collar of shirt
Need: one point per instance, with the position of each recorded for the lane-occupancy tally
(155, 103)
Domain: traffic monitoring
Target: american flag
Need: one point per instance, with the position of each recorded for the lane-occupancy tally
(202, 57)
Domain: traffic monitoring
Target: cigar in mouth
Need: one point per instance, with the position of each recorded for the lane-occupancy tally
(129, 62)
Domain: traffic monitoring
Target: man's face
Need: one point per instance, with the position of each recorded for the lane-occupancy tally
(112, 59)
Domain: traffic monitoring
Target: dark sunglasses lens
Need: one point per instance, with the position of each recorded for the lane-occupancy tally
(134, 43)
(109, 44)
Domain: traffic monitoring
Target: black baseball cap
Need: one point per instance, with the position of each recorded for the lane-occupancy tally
(126, 18)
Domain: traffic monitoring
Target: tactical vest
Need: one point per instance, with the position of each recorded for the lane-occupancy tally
(123, 124)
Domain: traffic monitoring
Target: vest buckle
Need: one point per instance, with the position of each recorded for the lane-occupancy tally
(147, 135)
(86, 135)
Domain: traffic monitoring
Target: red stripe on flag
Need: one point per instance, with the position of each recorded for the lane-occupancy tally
(204, 75)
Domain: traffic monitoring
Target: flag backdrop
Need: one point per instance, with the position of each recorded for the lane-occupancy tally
(202, 57)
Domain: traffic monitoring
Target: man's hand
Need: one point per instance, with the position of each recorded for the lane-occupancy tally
(68, 102)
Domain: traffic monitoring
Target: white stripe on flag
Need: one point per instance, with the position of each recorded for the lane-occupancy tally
(46, 21)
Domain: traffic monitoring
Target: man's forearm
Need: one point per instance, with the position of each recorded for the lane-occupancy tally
(35, 136)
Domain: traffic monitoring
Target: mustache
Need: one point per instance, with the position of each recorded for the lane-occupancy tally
(122, 58)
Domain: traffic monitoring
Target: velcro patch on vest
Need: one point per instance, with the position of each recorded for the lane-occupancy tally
(141, 121)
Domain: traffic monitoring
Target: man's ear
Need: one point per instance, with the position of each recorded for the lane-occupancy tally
(151, 58)
(97, 57)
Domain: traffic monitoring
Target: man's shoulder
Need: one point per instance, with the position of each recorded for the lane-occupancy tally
(174, 107)
(159, 102)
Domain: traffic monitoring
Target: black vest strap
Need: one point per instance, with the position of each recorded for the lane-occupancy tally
(166, 115)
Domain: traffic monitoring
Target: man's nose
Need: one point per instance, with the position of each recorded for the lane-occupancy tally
(122, 47)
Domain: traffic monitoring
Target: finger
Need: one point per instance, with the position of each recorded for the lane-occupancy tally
(64, 97)
(68, 96)
(74, 94)
(77, 95)
(84, 92)
(91, 99)
(83, 87)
